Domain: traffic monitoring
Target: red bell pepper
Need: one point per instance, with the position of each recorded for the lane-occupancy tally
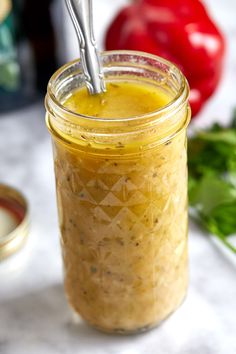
(178, 30)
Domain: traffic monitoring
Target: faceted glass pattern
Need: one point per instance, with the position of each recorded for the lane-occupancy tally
(123, 222)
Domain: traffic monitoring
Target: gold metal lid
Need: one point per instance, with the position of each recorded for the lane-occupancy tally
(14, 221)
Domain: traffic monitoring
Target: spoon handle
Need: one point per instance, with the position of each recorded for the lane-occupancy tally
(82, 17)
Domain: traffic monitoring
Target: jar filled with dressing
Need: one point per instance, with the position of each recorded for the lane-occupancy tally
(121, 180)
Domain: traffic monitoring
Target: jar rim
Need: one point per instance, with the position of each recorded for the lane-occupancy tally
(160, 113)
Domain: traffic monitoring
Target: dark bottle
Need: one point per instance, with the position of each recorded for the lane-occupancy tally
(30, 52)
(38, 29)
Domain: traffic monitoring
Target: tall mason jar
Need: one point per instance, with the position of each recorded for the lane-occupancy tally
(122, 197)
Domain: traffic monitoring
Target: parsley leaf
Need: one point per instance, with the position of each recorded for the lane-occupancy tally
(212, 180)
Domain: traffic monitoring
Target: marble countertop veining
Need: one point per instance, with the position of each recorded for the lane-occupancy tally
(34, 315)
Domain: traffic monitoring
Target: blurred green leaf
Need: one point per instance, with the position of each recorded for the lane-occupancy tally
(212, 179)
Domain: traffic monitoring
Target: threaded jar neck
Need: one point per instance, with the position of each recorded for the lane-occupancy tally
(120, 66)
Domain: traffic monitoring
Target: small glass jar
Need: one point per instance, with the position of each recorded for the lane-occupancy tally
(122, 197)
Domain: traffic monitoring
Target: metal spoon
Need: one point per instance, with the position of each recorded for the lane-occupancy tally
(82, 17)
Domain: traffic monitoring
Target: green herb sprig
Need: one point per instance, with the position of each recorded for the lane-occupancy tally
(212, 180)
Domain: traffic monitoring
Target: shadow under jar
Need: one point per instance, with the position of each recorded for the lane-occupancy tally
(122, 197)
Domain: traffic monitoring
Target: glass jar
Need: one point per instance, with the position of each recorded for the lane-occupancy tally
(122, 197)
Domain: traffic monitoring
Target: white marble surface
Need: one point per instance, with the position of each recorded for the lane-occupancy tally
(34, 316)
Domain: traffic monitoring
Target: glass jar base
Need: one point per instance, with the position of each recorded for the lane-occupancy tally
(120, 331)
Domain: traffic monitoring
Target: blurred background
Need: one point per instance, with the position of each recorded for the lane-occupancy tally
(37, 37)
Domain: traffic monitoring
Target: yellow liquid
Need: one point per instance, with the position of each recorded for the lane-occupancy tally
(121, 100)
(123, 217)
